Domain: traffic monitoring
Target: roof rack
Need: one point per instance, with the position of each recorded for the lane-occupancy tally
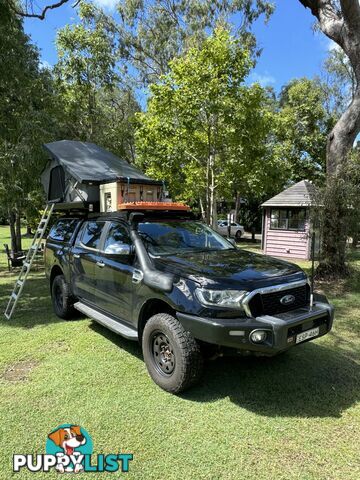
(163, 206)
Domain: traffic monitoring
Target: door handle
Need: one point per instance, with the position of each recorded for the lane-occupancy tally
(100, 264)
(76, 255)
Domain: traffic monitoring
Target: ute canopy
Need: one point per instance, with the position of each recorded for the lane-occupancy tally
(77, 168)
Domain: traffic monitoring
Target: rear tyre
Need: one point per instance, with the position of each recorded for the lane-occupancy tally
(238, 234)
(62, 300)
(172, 355)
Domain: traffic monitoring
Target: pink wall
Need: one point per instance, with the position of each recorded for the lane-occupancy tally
(285, 243)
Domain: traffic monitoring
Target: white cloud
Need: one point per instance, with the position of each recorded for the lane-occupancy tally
(109, 5)
(264, 79)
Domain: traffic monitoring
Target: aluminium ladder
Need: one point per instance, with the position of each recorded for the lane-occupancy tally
(25, 269)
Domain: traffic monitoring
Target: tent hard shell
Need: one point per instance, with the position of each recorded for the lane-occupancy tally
(78, 171)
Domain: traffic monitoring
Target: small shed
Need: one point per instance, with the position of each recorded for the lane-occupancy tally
(286, 222)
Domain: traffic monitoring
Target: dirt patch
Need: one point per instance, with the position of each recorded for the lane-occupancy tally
(19, 371)
(58, 346)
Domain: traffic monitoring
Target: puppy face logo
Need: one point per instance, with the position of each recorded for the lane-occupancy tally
(68, 438)
(70, 444)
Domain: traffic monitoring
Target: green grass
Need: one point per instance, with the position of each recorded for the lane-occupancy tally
(296, 416)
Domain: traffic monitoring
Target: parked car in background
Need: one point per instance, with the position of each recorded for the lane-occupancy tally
(236, 230)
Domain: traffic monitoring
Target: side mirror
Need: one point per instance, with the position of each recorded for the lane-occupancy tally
(232, 241)
(119, 249)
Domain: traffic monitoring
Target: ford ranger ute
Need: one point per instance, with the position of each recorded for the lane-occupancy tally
(179, 288)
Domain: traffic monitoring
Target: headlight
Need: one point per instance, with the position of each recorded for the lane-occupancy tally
(221, 298)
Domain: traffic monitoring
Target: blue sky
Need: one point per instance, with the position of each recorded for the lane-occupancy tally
(290, 47)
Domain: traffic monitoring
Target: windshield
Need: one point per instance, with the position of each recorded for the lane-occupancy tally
(176, 236)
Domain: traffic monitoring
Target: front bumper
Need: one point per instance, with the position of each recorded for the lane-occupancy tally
(282, 329)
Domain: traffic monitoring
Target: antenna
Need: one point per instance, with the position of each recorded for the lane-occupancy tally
(312, 270)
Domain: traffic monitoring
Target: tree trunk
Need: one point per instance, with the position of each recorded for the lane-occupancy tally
(253, 238)
(343, 135)
(334, 230)
(28, 231)
(212, 188)
(207, 200)
(355, 240)
(18, 231)
(12, 230)
(237, 206)
(203, 214)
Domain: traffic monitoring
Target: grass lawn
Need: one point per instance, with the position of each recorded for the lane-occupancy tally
(296, 416)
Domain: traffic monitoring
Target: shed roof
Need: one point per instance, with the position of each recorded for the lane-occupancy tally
(301, 194)
(88, 162)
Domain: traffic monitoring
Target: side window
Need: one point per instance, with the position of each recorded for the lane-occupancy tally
(63, 229)
(91, 234)
(117, 235)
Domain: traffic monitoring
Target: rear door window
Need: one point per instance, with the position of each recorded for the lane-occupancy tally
(63, 230)
(91, 235)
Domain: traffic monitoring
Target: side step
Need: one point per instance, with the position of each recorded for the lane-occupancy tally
(106, 321)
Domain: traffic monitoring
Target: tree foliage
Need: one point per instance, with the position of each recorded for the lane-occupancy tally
(301, 128)
(340, 82)
(204, 129)
(97, 107)
(26, 100)
(150, 34)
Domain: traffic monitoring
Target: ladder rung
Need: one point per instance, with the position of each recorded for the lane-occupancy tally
(14, 297)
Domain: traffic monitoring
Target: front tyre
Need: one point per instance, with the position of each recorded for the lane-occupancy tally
(172, 355)
(61, 298)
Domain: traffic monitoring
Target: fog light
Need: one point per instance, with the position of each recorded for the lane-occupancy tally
(258, 336)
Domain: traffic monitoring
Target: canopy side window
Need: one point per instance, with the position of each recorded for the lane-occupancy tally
(57, 183)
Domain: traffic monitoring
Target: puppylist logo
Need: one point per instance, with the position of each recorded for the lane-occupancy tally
(69, 449)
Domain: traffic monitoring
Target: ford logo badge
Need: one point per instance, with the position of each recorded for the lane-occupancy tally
(287, 300)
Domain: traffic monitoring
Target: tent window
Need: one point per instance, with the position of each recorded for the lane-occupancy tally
(57, 183)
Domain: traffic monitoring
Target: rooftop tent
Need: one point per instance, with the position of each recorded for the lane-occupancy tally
(76, 169)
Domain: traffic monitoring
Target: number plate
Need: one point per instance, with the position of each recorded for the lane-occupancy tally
(314, 332)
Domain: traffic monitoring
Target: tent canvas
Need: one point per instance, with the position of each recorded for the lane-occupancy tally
(76, 170)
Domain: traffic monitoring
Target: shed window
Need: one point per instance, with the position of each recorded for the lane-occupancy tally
(288, 219)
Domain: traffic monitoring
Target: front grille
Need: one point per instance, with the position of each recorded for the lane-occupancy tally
(269, 303)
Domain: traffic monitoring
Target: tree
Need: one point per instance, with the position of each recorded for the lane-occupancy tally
(204, 128)
(150, 34)
(301, 128)
(26, 100)
(97, 107)
(339, 83)
(340, 21)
